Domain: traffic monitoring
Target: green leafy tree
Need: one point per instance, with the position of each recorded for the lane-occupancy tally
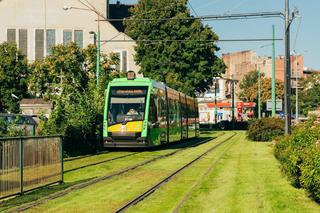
(183, 53)
(13, 77)
(49, 78)
(309, 98)
(247, 82)
(249, 89)
(68, 79)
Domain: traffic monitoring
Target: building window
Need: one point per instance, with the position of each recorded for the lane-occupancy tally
(23, 41)
(39, 44)
(51, 40)
(11, 35)
(123, 61)
(78, 38)
(67, 37)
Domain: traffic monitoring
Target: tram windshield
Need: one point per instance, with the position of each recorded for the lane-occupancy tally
(126, 104)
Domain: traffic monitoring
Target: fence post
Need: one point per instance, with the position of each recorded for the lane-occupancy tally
(61, 159)
(21, 165)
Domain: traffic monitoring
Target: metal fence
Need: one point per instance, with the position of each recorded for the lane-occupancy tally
(27, 163)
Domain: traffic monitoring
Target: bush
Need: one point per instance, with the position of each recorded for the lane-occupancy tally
(299, 155)
(265, 129)
(310, 171)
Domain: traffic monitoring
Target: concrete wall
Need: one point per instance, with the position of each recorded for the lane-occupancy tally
(49, 14)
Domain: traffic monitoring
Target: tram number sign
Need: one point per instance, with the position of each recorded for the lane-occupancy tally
(278, 105)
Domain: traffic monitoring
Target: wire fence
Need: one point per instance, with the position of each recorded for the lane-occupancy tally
(28, 163)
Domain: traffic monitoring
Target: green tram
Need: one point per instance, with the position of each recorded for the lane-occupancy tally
(140, 112)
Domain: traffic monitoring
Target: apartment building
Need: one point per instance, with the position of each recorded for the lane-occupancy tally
(36, 25)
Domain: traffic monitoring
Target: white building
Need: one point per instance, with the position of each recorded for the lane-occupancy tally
(36, 25)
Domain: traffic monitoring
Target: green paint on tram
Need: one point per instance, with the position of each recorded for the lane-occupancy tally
(140, 112)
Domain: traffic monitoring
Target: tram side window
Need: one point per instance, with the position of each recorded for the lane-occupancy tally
(153, 117)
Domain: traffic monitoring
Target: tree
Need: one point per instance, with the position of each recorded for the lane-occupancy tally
(309, 98)
(249, 80)
(183, 53)
(13, 77)
(249, 88)
(68, 79)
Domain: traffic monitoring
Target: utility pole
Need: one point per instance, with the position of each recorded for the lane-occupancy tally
(215, 101)
(273, 95)
(287, 76)
(98, 52)
(297, 91)
(259, 93)
(232, 110)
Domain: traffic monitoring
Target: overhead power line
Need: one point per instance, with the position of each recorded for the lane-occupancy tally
(192, 8)
(209, 17)
(190, 40)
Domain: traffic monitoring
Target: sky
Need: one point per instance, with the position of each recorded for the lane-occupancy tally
(304, 30)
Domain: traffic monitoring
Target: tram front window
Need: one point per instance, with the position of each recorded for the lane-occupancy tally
(126, 104)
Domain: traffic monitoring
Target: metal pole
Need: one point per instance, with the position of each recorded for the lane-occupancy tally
(287, 76)
(232, 81)
(273, 73)
(21, 165)
(215, 101)
(297, 91)
(259, 93)
(61, 160)
(98, 53)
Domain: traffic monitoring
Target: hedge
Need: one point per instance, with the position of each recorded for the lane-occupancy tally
(265, 129)
(299, 155)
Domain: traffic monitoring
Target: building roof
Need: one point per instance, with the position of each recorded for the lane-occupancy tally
(119, 11)
(33, 101)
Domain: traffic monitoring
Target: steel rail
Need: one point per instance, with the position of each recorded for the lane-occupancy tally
(99, 179)
(84, 156)
(168, 178)
(99, 162)
(197, 183)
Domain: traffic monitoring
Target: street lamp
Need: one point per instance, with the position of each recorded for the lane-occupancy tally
(295, 68)
(97, 42)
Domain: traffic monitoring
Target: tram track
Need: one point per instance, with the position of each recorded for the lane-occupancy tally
(84, 156)
(156, 186)
(105, 177)
(100, 162)
(200, 179)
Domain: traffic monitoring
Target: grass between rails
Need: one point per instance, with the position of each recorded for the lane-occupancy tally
(169, 195)
(107, 196)
(248, 179)
(84, 174)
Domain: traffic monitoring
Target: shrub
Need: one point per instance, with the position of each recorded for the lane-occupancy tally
(265, 129)
(310, 171)
(299, 155)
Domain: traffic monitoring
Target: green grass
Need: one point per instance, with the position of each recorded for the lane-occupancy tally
(246, 179)
(107, 196)
(84, 174)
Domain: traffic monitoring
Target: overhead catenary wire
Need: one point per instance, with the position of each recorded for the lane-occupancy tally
(192, 8)
(190, 40)
(207, 17)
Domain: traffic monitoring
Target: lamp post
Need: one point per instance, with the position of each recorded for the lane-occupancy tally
(232, 94)
(98, 45)
(296, 67)
(259, 93)
(215, 102)
(273, 95)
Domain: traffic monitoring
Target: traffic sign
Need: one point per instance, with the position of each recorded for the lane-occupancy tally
(278, 105)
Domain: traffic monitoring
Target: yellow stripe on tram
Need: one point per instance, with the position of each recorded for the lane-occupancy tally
(130, 126)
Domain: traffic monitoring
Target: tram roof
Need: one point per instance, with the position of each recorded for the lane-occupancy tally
(141, 82)
(147, 81)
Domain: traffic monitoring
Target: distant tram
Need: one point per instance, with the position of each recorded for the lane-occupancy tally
(140, 112)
